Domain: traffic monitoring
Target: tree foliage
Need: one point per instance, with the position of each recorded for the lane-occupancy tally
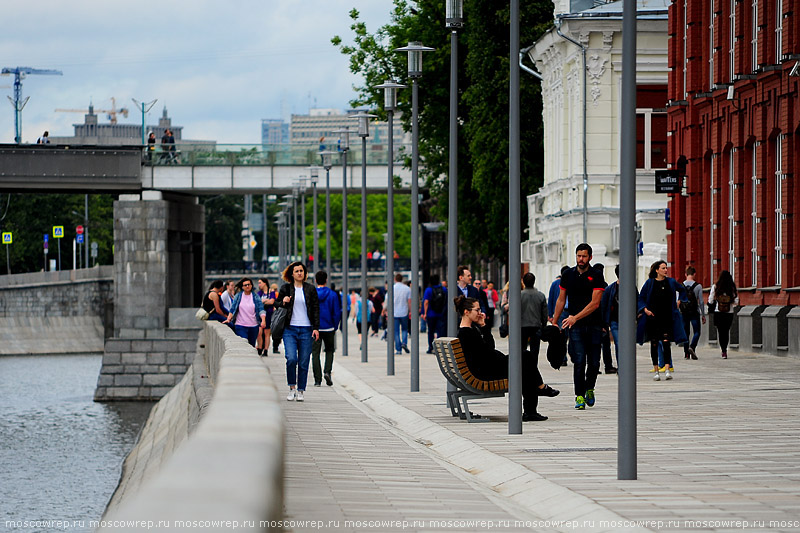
(482, 107)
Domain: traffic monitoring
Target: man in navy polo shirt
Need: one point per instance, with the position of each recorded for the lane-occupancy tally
(583, 286)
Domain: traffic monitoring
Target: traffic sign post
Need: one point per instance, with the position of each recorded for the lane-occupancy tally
(7, 240)
(94, 253)
(46, 239)
(58, 233)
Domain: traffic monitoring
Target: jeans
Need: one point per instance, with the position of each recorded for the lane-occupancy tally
(661, 354)
(435, 328)
(247, 332)
(297, 343)
(329, 338)
(614, 329)
(400, 323)
(694, 322)
(584, 350)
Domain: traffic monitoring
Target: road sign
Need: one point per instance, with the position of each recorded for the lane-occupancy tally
(79, 230)
(58, 232)
(79, 237)
(94, 246)
(46, 239)
(6, 237)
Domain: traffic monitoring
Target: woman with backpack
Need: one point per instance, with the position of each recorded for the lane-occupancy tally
(660, 321)
(723, 300)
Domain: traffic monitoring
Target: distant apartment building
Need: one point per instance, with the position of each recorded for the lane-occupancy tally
(558, 211)
(319, 127)
(274, 131)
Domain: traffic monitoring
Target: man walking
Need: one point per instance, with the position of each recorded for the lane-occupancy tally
(583, 286)
(533, 306)
(693, 311)
(402, 310)
(434, 310)
(330, 314)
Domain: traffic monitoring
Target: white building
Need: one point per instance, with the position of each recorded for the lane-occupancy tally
(556, 212)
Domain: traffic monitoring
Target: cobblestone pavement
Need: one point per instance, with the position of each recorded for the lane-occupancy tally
(717, 448)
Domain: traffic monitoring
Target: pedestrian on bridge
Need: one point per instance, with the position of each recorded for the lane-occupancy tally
(247, 312)
(302, 326)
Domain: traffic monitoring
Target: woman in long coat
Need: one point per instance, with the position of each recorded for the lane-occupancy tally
(660, 321)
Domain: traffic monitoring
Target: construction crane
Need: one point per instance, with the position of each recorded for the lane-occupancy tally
(17, 102)
(111, 113)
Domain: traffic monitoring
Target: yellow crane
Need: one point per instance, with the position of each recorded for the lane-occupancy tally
(111, 113)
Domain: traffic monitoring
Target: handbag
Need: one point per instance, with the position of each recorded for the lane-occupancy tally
(503, 330)
(278, 323)
(201, 314)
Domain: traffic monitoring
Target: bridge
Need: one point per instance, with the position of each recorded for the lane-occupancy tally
(190, 169)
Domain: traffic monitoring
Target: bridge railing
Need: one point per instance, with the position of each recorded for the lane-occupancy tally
(200, 154)
(256, 268)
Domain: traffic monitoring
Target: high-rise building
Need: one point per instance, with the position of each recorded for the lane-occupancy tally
(274, 131)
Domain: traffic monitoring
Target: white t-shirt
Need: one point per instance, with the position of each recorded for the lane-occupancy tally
(402, 293)
(299, 311)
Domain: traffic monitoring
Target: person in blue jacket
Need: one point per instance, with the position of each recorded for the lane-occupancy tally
(247, 312)
(660, 321)
(330, 315)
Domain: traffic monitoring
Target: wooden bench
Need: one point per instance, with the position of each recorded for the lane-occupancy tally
(453, 365)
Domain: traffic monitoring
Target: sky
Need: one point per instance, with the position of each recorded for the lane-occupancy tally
(218, 67)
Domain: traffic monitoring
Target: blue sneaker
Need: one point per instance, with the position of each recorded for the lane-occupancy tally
(590, 397)
(580, 403)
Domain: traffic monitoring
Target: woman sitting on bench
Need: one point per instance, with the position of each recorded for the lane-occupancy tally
(488, 364)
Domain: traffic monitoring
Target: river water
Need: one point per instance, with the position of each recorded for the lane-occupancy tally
(60, 452)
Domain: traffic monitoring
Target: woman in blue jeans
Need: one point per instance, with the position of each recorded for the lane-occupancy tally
(247, 312)
(302, 326)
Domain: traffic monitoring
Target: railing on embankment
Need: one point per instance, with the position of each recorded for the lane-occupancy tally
(214, 462)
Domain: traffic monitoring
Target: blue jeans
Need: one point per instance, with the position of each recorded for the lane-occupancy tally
(694, 322)
(297, 343)
(614, 329)
(400, 323)
(585, 343)
(247, 332)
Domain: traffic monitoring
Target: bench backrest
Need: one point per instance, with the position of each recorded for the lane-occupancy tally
(454, 367)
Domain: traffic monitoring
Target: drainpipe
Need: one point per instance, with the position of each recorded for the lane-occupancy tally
(585, 175)
(522, 54)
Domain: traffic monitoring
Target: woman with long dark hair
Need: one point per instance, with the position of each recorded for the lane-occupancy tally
(268, 299)
(246, 312)
(488, 364)
(724, 297)
(212, 303)
(302, 326)
(660, 320)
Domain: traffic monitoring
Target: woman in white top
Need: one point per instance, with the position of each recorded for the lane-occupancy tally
(724, 298)
(302, 326)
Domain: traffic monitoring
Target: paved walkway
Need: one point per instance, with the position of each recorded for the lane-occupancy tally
(717, 450)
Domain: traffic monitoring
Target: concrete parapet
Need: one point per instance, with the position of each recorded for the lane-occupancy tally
(749, 321)
(51, 335)
(793, 326)
(775, 329)
(230, 468)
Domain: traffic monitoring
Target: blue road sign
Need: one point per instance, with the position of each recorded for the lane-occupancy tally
(79, 236)
(46, 237)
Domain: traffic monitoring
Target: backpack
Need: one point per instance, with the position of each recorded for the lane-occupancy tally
(438, 300)
(689, 308)
(724, 302)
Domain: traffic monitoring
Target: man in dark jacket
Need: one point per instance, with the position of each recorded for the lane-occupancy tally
(330, 314)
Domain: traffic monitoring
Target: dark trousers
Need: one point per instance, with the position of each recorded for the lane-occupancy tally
(490, 317)
(691, 322)
(531, 379)
(436, 326)
(531, 336)
(608, 362)
(329, 338)
(665, 348)
(723, 321)
(247, 332)
(584, 350)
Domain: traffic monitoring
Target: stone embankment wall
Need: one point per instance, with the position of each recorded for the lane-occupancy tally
(70, 311)
(204, 459)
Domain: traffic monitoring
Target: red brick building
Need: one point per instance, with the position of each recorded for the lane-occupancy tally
(734, 133)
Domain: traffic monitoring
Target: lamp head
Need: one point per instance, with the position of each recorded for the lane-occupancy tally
(363, 123)
(414, 50)
(313, 171)
(327, 159)
(390, 88)
(454, 13)
(344, 138)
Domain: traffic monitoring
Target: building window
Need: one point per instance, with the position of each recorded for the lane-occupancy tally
(754, 36)
(778, 209)
(778, 30)
(732, 41)
(711, 46)
(685, 49)
(713, 227)
(754, 217)
(651, 126)
(731, 207)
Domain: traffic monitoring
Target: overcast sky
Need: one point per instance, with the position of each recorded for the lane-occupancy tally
(218, 67)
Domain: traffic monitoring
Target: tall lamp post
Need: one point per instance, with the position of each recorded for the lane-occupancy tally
(344, 145)
(314, 173)
(390, 88)
(302, 187)
(327, 163)
(454, 19)
(363, 132)
(414, 50)
(295, 194)
(145, 107)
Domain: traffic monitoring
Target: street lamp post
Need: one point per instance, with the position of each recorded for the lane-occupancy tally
(390, 88)
(295, 194)
(302, 186)
(344, 145)
(314, 173)
(454, 19)
(363, 132)
(327, 163)
(414, 50)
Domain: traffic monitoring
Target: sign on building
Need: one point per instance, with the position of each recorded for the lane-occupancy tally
(668, 181)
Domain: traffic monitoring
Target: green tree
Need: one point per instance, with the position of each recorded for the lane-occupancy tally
(483, 107)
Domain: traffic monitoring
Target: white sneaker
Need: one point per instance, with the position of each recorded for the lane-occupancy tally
(656, 376)
(299, 396)
(667, 375)
(292, 395)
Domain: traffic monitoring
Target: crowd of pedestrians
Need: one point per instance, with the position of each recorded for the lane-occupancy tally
(580, 306)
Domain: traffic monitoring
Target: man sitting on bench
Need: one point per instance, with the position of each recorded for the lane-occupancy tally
(486, 363)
